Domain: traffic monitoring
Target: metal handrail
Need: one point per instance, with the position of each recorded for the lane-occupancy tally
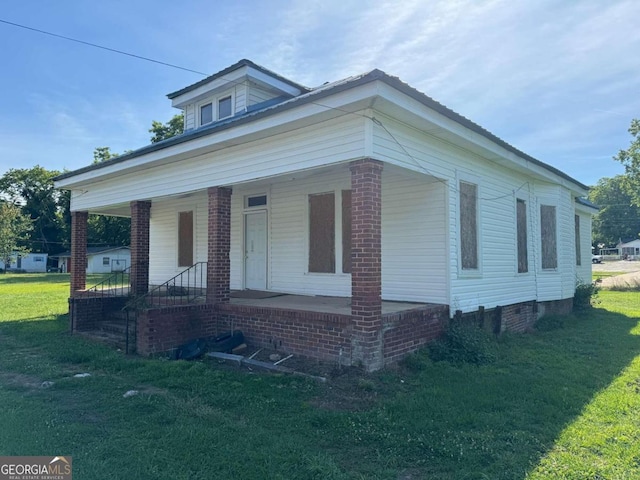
(182, 289)
(115, 284)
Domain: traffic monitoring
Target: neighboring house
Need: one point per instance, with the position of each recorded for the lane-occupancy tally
(30, 262)
(100, 259)
(630, 250)
(362, 189)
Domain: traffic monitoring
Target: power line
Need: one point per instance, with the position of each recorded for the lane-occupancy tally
(95, 45)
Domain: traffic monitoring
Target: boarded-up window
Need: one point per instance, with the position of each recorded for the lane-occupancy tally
(469, 225)
(322, 248)
(346, 231)
(185, 239)
(548, 236)
(577, 234)
(523, 253)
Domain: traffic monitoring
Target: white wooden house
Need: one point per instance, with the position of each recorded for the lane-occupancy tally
(28, 262)
(365, 190)
(630, 250)
(100, 259)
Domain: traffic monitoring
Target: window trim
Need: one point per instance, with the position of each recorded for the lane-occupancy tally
(336, 189)
(194, 255)
(264, 206)
(577, 238)
(547, 202)
(463, 177)
(106, 261)
(215, 107)
(527, 213)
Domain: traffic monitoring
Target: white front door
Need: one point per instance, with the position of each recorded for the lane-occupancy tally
(255, 250)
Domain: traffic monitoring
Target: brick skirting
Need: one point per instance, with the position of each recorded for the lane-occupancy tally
(87, 310)
(160, 330)
(324, 336)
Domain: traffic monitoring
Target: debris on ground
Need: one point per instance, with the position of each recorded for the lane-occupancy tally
(46, 384)
(130, 393)
(81, 375)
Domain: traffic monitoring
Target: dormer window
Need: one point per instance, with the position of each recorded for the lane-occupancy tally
(206, 113)
(224, 107)
(215, 109)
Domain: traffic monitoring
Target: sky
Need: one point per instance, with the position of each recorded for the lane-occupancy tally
(560, 80)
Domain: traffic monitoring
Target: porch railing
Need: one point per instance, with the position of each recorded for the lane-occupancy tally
(185, 288)
(116, 285)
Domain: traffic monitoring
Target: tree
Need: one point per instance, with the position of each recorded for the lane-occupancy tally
(630, 158)
(618, 217)
(162, 131)
(14, 230)
(32, 189)
(115, 231)
(102, 154)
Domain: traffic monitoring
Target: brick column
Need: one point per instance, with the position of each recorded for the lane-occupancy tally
(219, 244)
(366, 270)
(78, 261)
(140, 217)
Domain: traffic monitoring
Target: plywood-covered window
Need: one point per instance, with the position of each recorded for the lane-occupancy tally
(548, 234)
(469, 226)
(322, 248)
(346, 231)
(185, 239)
(523, 251)
(577, 239)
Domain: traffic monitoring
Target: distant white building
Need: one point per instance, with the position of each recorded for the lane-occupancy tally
(29, 262)
(630, 250)
(100, 259)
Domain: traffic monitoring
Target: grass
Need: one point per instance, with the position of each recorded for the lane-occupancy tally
(558, 404)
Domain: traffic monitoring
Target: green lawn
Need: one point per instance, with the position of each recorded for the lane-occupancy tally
(559, 404)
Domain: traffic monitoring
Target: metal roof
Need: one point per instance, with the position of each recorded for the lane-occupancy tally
(242, 63)
(311, 97)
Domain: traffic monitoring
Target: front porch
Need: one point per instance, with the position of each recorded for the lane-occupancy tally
(333, 307)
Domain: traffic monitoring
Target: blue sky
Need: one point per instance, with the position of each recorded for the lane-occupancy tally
(558, 79)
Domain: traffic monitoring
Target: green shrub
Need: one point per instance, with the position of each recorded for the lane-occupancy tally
(464, 342)
(585, 295)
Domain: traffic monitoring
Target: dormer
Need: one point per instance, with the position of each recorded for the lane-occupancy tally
(234, 91)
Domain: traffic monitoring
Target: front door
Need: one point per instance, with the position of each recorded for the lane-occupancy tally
(255, 250)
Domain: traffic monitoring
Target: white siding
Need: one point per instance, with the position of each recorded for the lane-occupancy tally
(305, 148)
(550, 281)
(288, 227)
(95, 261)
(414, 238)
(257, 95)
(497, 281)
(163, 228)
(240, 98)
(190, 117)
(583, 272)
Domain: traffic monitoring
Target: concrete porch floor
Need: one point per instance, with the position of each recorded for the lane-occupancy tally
(320, 304)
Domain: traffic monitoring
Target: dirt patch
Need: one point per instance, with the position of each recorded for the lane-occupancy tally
(628, 281)
(341, 388)
(20, 380)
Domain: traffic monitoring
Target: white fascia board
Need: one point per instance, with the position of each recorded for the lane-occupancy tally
(269, 81)
(490, 149)
(340, 104)
(230, 80)
(585, 208)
